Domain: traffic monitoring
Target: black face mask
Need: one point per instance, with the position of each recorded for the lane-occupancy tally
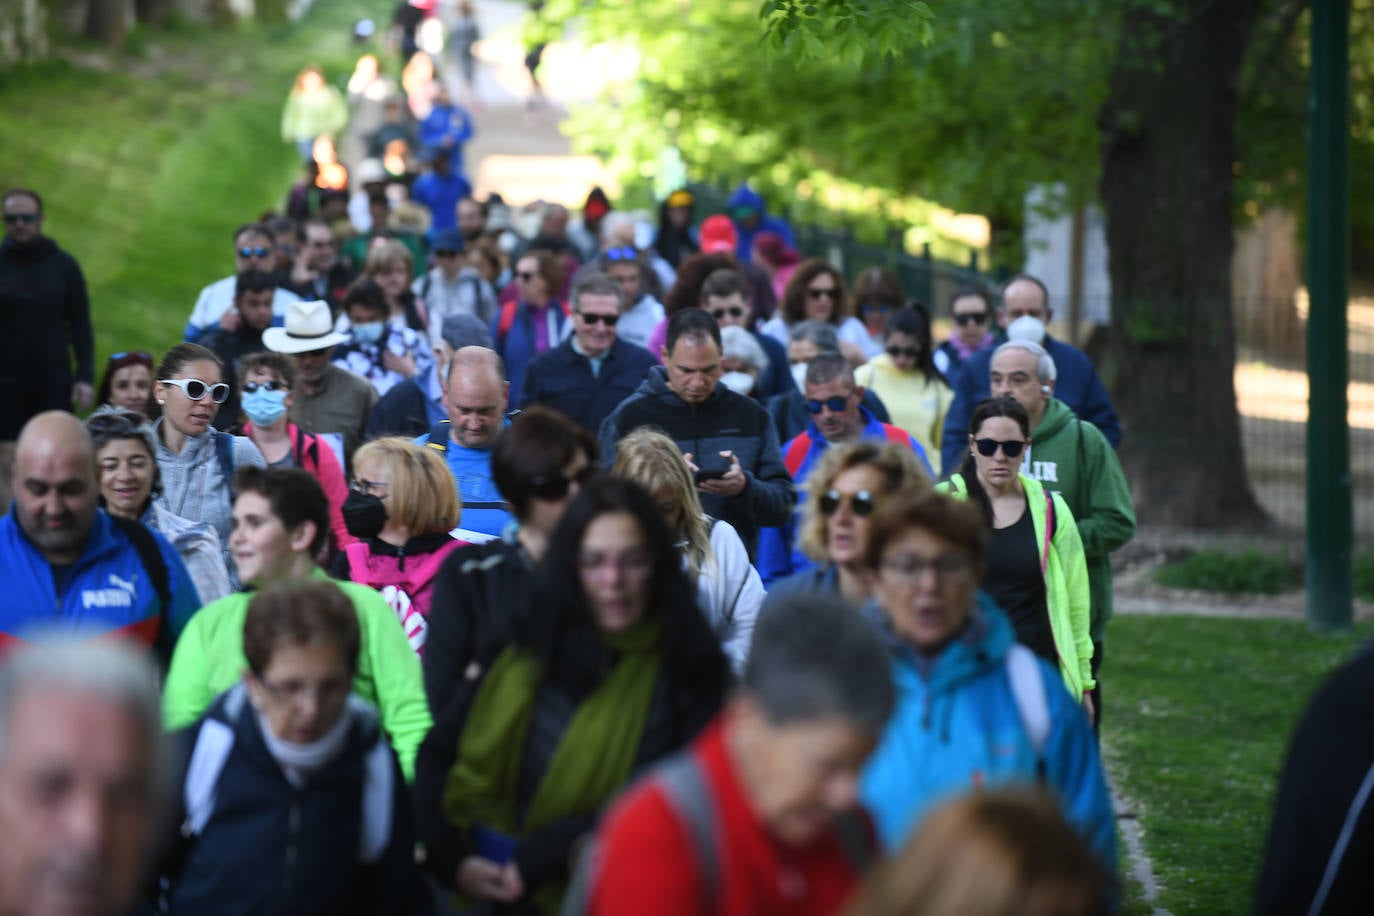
(363, 515)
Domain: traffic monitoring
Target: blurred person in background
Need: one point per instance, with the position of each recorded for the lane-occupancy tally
(749, 215)
(778, 260)
(390, 264)
(729, 591)
(816, 293)
(377, 349)
(463, 36)
(725, 295)
(877, 293)
(417, 404)
(744, 361)
(676, 239)
(535, 322)
(626, 265)
(905, 377)
(317, 271)
(253, 302)
(439, 188)
(254, 249)
(447, 128)
(313, 109)
(453, 286)
(127, 382)
(970, 315)
(612, 667)
(401, 507)
(126, 461)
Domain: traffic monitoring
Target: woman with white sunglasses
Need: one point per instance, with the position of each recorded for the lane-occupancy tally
(197, 462)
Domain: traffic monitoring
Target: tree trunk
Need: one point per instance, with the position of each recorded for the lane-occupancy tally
(152, 11)
(107, 21)
(1167, 155)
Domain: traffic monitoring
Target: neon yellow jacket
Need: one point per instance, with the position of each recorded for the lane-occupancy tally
(1067, 593)
(208, 660)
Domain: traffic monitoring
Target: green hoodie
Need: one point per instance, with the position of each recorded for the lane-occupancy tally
(1074, 459)
(208, 660)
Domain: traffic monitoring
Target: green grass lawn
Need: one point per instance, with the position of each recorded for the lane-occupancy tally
(1199, 714)
(146, 165)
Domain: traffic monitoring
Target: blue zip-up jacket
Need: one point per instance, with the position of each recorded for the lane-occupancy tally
(1077, 385)
(957, 728)
(562, 378)
(745, 196)
(106, 591)
(778, 555)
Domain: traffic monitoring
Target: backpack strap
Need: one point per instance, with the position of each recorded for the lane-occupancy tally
(379, 789)
(503, 327)
(856, 840)
(224, 451)
(796, 453)
(150, 556)
(438, 436)
(683, 784)
(357, 554)
(1032, 705)
(213, 746)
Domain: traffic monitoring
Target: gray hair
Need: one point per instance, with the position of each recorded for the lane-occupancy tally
(142, 429)
(596, 283)
(827, 367)
(820, 333)
(814, 658)
(1044, 363)
(738, 343)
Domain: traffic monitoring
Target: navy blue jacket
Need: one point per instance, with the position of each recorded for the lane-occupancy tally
(778, 378)
(399, 412)
(562, 378)
(1077, 385)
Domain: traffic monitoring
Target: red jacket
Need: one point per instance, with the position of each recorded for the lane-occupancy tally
(645, 854)
(318, 458)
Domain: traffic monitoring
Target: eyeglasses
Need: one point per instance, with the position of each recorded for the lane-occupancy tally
(626, 253)
(899, 352)
(369, 487)
(195, 389)
(861, 503)
(608, 320)
(553, 487)
(828, 292)
(526, 276)
(836, 404)
(911, 568)
(446, 254)
(971, 318)
(988, 447)
(254, 252)
(325, 694)
(20, 219)
(253, 387)
(632, 564)
(733, 311)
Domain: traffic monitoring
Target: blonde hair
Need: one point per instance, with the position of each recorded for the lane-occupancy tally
(1001, 853)
(423, 494)
(901, 473)
(649, 458)
(384, 255)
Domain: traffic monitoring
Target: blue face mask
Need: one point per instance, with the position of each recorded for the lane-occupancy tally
(264, 407)
(371, 332)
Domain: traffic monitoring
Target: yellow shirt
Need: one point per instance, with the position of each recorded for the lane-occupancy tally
(915, 403)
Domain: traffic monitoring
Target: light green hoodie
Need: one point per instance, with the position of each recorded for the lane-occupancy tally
(208, 660)
(1072, 458)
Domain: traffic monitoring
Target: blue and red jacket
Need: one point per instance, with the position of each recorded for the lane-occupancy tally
(106, 591)
(778, 556)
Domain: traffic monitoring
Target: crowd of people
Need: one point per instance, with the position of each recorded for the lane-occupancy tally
(498, 561)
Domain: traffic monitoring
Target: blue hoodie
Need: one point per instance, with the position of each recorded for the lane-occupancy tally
(746, 196)
(957, 728)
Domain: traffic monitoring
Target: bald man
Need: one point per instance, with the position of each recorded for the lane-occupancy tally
(67, 565)
(475, 397)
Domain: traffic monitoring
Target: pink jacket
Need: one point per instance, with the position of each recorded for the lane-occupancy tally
(406, 582)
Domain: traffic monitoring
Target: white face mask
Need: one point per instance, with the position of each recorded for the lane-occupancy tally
(799, 375)
(739, 382)
(1028, 328)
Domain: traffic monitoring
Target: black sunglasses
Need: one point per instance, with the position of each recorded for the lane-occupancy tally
(15, 219)
(553, 487)
(861, 503)
(254, 252)
(988, 447)
(252, 387)
(446, 254)
(830, 292)
(608, 320)
(733, 311)
(195, 389)
(836, 404)
(527, 276)
(971, 318)
(899, 352)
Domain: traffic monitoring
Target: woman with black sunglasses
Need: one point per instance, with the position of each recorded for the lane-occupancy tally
(842, 493)
(905, 377)
(1036, 570)
(197, 462)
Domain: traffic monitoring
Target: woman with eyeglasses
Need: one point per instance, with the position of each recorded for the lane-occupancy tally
(126, 463)
(729, 590)
(127, 382)
(970, 314)
(401, 507)
(975, 710)
(611, 668)
(842, 494)
(904, 376)
(535, 320)
(816, 293)
(291, 799)
(197, 462)
(267, 384)
(1036, 570)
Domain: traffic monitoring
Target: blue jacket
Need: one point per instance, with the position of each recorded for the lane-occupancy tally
(517, 345)
(484, 508)
(745, 196)
(957, 727)
(441, 193)
(778, 554)
(447, 122)
(106, 591)
(1077, 385)
(562, 378)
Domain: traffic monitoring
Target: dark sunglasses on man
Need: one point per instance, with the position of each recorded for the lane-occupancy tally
(258, 251)
(836, 404)
(20, 219)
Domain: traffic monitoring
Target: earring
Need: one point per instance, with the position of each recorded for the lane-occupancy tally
(160, 402)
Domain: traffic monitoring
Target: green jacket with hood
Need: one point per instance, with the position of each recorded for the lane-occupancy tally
(1066, 581)
(1074, 459)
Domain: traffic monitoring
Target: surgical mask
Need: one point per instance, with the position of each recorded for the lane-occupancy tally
(739, 382)
(363, 514)
(264, 407)
(1027, 328)
(371, 332)
(799, 375)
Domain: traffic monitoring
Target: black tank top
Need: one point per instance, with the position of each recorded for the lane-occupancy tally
(1015, 582)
